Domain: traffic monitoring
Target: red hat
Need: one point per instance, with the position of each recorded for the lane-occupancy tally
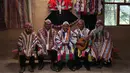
(27, 25)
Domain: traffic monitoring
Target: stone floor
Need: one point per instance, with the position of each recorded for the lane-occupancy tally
(119, 66)
(8, 39)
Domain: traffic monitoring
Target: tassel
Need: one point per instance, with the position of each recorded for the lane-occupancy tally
(83, 53)
(89, 58)
(79, 53)
(71, 56)
(67, 57)
(59, 57)
(64, 56)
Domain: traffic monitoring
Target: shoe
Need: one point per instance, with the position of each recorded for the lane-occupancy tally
(73, 68)
(108, 64)
(53, 67)
(100, 65)
(22, 70)
(57, 69)
(88, 68)
(78, 67)
(31, 69)
(41, 65)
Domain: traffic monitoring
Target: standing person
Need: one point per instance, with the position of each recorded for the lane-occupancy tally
(82, 38)
(26, 47)
(102, 46)
(65, 49)
(46, 38)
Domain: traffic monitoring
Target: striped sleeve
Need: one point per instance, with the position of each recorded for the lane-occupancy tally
(40, 43)
(34, 40)
(20, 43)
(74, 37)
(58, 40)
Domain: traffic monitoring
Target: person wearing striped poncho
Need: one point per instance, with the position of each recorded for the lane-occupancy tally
(26, 47)
(47, 38)
(64, 47)
(102, 45)
(82, 32)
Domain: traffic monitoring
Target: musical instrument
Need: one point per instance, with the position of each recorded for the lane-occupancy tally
(82, 44)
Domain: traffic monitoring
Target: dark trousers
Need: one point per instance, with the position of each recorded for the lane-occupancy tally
(77, 59)
(54, 64)
(40, 59)
(86, 63)
(71, 64)
(78, 62)
(53, 55)
(22, 60)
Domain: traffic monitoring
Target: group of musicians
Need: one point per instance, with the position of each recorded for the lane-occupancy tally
(73, 48)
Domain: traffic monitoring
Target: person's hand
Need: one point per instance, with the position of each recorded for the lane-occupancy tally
(21, 52)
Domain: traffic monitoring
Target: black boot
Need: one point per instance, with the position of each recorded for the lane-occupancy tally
(59, 66)
(22, 70)
(71, 65)
(54, 66)
(22, 61)
(100, 63)
(108, 63)
(78, 65)
(77, 60)
(87, 65)
(31, 69)
(31, 64)
(41, 63)
(86, 62)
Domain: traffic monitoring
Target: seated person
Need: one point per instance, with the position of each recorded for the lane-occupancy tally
(64, 47)
(82, 33)
(26, 47)
(102, 46)
(46, 37)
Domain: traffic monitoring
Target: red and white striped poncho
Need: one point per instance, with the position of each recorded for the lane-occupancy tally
(27, 43)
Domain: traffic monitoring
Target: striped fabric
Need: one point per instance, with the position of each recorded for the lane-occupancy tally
(17, 13)
(80, 34)
(42, 34)
(88, 6)
(27, 43)
(102, 49)
(65, 52)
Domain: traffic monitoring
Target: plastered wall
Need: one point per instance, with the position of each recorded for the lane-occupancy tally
(39, 13)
